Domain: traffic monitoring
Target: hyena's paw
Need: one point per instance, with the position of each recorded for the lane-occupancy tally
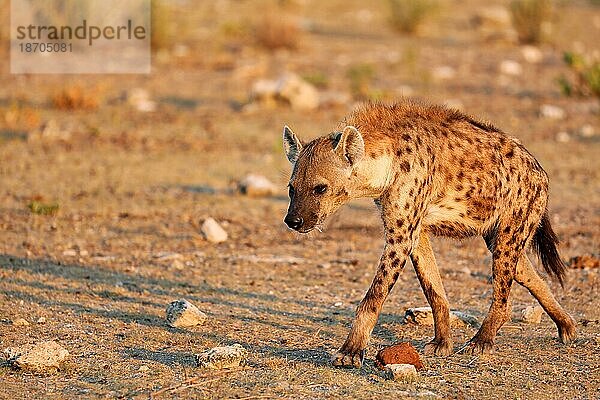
(347, 358)
(439, 347)
(479, 345)
(567, 331)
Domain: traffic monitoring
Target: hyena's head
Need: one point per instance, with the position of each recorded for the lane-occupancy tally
(322, 178)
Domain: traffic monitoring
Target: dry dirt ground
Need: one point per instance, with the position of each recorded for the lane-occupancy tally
(132, 186)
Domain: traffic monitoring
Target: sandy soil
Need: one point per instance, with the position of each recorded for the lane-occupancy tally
(133, 186)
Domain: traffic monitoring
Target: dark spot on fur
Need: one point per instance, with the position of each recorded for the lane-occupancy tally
(391, 240)
(405, 166)
(393, 254)
(510, 154)
(406, 137)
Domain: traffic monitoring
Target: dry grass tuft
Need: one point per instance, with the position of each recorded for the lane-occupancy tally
(407, 15)
(528, 17)
(277, 32)
(585, 74)
(76, 98)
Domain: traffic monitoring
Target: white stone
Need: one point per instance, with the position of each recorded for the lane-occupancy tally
(509, 67)
(144, 368)
(300, 94)
(182, 314)
(532, 54)
(213, 231)
(257, 185)
(264, 88)
(41, 320)
(587, 131)
(443, 72)
(532, 314)
(401, 372)
(70, 253)
(40, 357)
(552, 112)
(222, 357)
(20, 322)
(563, 137)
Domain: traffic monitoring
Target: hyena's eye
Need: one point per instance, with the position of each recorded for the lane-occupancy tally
(290, 191)
(320, 189)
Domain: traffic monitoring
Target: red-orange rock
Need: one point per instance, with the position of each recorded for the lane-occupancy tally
(401, 353)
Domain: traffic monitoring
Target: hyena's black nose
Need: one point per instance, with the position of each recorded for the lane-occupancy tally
(293, 222)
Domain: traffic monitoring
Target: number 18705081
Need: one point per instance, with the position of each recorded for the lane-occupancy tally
(35, 47)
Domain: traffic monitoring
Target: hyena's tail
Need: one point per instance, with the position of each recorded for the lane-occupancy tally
(544, 244)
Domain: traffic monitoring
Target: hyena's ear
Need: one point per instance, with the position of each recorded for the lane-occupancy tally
(291, 145)
(350, 145)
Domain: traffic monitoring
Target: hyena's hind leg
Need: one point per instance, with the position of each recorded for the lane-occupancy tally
(529, 278)
(428, 273)
(507, 245)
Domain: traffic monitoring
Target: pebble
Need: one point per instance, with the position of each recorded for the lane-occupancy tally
(300, 94)
(424, 316)
(552, 112)
(255, 185)
(41, 320)
(20, 322)
(144, 368)
(70, 253)
(443, 72)
(40, 357)
(401, 372)
(509, 67)
(532, 54)
(532, 314)
(213, 231)
(563, 137)
(181, 314)
(587, 131)
(222, 357)
(401, 353)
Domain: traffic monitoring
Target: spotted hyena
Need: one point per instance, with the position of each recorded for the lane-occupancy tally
(431, 171)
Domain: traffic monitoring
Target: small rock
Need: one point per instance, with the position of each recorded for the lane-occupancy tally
(41, 320)
(587, 131)
(213, 231)
(563, 137)
(256, 186)
(532, 314)
(338, 304)
(70, 253)
(531, 54)
(443, 72)
(401, 372)
(552, 112)
(84, 253)
(40, 357)
(424, 316)
(509, 67)
(300, 94)
(181, 313)
(585, 261)
(263, 90)
(459, 318)
(140, 99)
(20, 322)
(144, 368)
(222, 357)
(401, 353)
(178, 265)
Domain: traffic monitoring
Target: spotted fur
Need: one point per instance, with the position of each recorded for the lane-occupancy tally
(431, 171)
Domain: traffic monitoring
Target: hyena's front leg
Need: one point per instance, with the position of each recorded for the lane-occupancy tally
(431, 282)
(401, 218)
(392, 262)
